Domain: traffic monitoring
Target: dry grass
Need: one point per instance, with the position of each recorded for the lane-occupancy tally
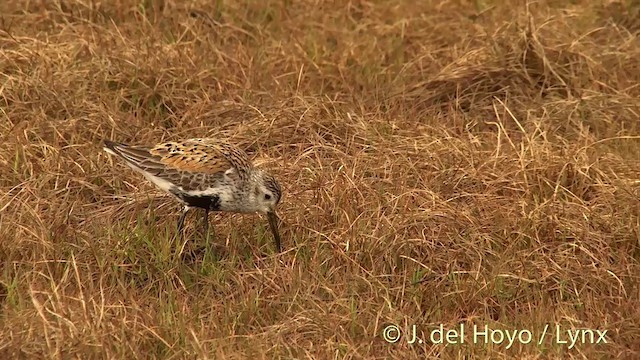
(448, 163)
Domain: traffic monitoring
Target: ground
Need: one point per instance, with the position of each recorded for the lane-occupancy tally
(445, 165)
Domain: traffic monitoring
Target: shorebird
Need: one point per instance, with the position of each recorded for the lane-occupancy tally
(205, 173)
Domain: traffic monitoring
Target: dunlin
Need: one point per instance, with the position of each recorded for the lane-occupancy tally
(205, 173)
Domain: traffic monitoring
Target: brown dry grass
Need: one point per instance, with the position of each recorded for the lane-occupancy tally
(448, 163)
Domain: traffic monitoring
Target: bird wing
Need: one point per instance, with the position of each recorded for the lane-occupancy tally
(136, 156)
(189, 164)
(205, 156)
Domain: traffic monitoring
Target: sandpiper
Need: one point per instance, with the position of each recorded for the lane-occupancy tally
(205, 173)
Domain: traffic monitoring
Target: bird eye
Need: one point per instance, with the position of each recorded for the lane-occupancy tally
(267, 197)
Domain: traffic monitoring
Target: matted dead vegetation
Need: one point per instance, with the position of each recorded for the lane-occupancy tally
(443, 163)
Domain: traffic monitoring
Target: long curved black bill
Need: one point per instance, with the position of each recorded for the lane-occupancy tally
(273, 223)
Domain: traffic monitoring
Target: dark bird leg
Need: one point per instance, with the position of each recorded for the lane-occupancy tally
(207, 244)
(181, 219)
(206, 223)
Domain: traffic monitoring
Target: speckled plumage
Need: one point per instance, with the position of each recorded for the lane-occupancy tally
(205, 173)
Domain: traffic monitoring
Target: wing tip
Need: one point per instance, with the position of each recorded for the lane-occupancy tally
(111, 147)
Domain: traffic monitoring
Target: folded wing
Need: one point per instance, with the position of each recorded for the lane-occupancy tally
(183, 163)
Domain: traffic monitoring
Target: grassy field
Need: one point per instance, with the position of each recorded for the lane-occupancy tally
(445, 164)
